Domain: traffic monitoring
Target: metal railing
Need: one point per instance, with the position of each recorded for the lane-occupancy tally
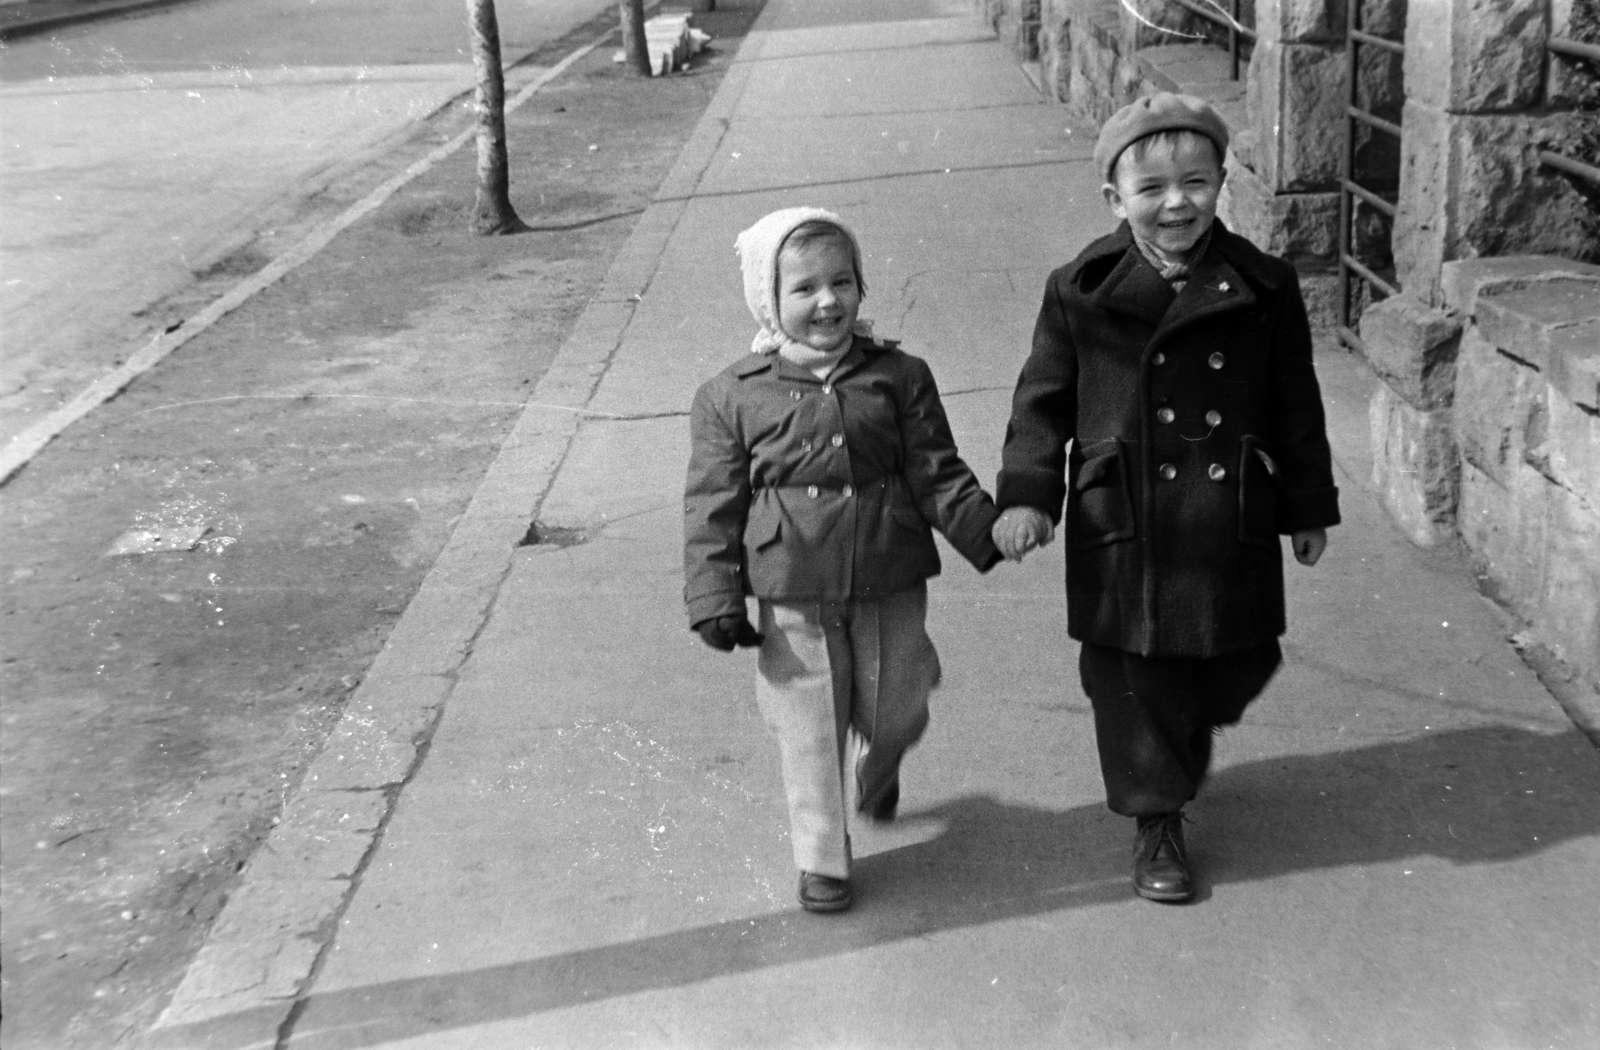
(1228, 20)
(1350, 191)
(1561, 162)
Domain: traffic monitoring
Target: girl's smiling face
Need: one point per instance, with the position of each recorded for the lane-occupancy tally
(1168, 192)
(818, 297)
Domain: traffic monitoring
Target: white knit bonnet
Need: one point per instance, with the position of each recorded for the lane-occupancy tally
(758, 249)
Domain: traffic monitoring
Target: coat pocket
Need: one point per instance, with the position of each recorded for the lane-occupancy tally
(1259, 481)
(1101, 496)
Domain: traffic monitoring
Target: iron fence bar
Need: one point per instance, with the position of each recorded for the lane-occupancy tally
(1349, 190)
(1375, 122)
(1387, 207)
(1573, 48)
(1350, 339)
(1211, 14)
(1570, 166)
(1367, 275)
(1233, 40)
(1393, 46)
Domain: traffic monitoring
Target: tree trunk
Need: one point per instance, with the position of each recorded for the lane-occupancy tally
(633, 45)
(492, 213)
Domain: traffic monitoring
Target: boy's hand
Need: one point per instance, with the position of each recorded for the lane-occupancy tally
(724, 632)
(1308, 545)
(1020, 529)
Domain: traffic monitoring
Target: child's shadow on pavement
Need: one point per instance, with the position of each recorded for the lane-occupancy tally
(1472, 796)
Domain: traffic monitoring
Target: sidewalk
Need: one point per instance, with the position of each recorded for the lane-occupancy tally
(1397, 848)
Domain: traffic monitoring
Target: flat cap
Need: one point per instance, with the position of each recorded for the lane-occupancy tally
(1153, 113)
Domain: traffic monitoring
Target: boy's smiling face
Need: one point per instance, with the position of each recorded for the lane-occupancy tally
(818, 297)
(1167, 191)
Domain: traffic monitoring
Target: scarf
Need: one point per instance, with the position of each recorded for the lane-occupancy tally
(1176, 274)
(758, 249)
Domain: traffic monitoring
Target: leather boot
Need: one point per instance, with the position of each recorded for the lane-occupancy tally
(1160, 862)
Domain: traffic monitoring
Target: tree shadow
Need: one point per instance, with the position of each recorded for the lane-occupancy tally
(1472, 796)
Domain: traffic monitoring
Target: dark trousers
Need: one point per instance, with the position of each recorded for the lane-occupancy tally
(1154, 716)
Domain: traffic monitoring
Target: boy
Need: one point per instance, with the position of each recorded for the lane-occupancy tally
(1175, 358)
(818, 464)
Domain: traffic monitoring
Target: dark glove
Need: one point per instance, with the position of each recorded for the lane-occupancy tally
(725, 632)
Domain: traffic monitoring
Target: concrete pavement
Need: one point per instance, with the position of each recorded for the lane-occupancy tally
(576, 827)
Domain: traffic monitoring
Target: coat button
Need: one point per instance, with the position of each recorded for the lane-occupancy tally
(1167, 471)
(1213, 418)
(826, 389)
(1216, 472)
(838, 440)
(805, 446)
(812, 490)
(1166, 415)
(1159, 358)
(795, 395)
(1216, 360)
(848, 491)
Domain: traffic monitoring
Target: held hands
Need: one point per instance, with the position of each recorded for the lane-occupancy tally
(1020, 529)
(1308, 545)
(724, 632)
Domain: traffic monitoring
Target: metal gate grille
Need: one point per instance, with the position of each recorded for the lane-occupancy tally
(1358, 279)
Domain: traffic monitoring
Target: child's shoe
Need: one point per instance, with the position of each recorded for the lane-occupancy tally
(823, 892)
(1160, 861)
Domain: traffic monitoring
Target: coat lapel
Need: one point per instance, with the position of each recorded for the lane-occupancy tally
(1214, 287)
(1135, 289)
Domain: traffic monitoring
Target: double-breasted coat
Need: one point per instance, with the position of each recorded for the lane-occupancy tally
(1185, 431)
(805, 489)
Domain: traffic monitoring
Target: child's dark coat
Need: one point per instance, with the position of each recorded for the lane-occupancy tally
(1172, 520)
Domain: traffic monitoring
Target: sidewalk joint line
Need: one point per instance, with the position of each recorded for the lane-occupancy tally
(878, 178)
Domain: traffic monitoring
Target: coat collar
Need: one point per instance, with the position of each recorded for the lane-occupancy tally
(854, 358)
(1224, 279)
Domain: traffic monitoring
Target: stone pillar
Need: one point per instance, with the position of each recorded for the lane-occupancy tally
(1470, 182)
(1283, 175)
(1415, 464)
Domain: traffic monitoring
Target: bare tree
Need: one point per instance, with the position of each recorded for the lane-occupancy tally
(634, 50)
(492, 213)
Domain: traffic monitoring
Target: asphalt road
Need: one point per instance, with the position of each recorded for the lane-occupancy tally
(142, 152)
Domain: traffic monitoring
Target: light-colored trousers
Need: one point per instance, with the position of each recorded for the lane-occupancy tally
(824, 669)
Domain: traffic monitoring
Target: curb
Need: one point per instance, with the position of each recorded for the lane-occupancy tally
(90, 13)
(261, 955)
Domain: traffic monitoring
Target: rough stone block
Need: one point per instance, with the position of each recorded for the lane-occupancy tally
(1471, 186)
(1097, 61)
(1300, 21)
(1503, 535)
(1474, 56)
(1461, 282)
(322, 835)
(1528, 322)
(1568, 617)
(1295, 97)
(1562, 442)
(1415, 467)
(1575, 364)
(1413, 348)
(1055, 48)
(1493, 395)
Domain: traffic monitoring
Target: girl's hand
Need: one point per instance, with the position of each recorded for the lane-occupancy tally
(724, 632)
(1020, 529)
(1308, 545)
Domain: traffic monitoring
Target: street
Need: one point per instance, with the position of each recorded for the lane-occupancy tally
(160, 707)
(142, 153)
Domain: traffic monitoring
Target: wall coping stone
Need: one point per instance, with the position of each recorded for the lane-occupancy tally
(1532, 322)
(1200, 70)
(1462, 281)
